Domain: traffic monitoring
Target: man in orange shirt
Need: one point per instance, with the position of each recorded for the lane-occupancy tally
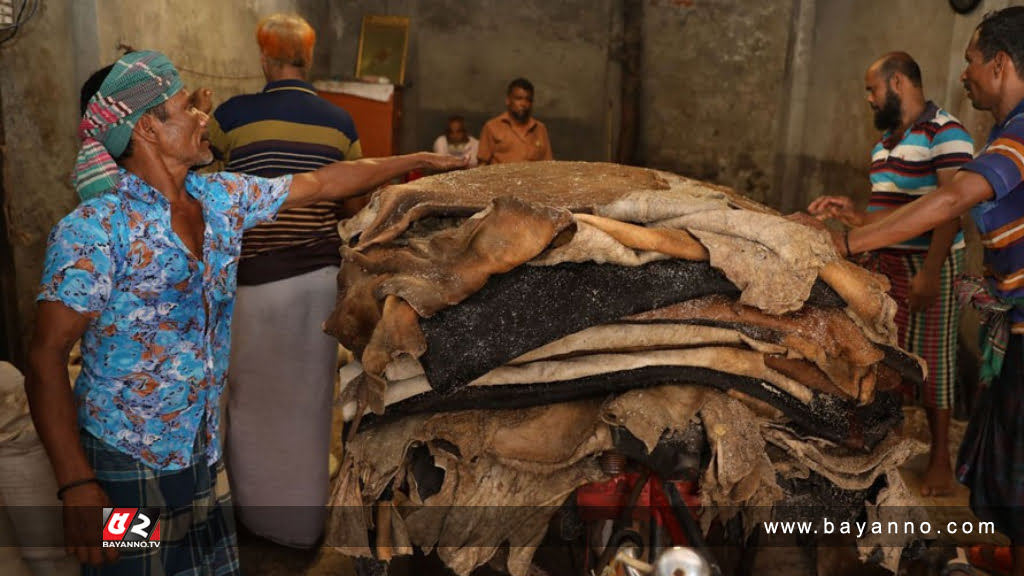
(515, 135)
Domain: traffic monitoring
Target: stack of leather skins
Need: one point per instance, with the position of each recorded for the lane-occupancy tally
(511, 293)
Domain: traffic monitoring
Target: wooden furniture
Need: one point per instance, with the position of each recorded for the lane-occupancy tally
(376, 122)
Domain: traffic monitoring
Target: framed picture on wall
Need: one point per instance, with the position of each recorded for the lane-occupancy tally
(382, 46)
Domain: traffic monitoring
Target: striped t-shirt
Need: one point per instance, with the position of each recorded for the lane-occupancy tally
(904, 169)
(1001, 220)
(285, 129)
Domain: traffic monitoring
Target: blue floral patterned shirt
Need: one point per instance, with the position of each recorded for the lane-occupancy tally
(154, 363)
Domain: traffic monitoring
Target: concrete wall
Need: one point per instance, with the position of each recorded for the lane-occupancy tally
(764, 96)
(463, 54)
(831, 131)
(40, 114)
(976, 121)
(838, 130)
(831, 154)
(213, 44)
(712, 85)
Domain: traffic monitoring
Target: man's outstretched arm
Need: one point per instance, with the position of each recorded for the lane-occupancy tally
(936, 208)
(342, 180)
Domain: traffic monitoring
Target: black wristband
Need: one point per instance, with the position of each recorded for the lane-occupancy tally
(75, 484)
(846, 241)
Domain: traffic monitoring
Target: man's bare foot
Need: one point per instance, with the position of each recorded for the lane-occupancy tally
(938, 478)
(958, 569)
(958, 566)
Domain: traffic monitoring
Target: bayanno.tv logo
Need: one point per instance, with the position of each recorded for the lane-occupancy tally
(131, 527)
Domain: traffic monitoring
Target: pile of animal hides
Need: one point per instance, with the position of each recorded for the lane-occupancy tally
(511, 320)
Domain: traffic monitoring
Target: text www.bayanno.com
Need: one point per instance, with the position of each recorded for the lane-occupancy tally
(861, 529)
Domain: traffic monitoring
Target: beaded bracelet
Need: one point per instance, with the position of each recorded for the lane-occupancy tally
(75, 484)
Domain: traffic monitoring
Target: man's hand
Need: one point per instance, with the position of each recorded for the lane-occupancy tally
(838, 207)
(202, 99)
(341, 180)
(444, 162)
(924, 291)
(83, 525)
(835, 235)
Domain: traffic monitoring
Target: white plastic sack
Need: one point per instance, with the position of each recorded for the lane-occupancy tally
(30, 513)
(16, 429)
(11, 563)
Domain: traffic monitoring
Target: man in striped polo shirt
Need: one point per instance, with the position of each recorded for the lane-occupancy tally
(921, 147)
(991, 189)
(283, 367)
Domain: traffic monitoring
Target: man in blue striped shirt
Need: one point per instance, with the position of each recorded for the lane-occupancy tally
(921, 147)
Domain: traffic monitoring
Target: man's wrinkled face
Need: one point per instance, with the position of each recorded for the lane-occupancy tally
(184, 136)
(978, 77)
(886, 104)
(456, 133)
(519, 103)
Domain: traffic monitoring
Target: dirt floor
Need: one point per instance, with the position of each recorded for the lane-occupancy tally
(783, 558)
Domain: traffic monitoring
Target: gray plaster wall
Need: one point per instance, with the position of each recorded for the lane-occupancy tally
(213, 44)
(463, 54)
(712, 89)
(831, 154)
(838, 130)
(978, 122)
(40, 114)
(833, 126)
(765, 96)
(832, 130)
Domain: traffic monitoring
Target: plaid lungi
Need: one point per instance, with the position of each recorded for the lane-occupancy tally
(931, 334)
(197, 526)
(991, 459)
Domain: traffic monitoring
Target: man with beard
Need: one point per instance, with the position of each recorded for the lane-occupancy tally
(921, 147)
(515, 135)
(143, 272)
(991, 189)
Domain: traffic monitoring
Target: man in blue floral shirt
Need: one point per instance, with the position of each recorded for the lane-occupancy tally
(143, 272)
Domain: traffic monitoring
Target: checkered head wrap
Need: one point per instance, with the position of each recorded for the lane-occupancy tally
(138, 81)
